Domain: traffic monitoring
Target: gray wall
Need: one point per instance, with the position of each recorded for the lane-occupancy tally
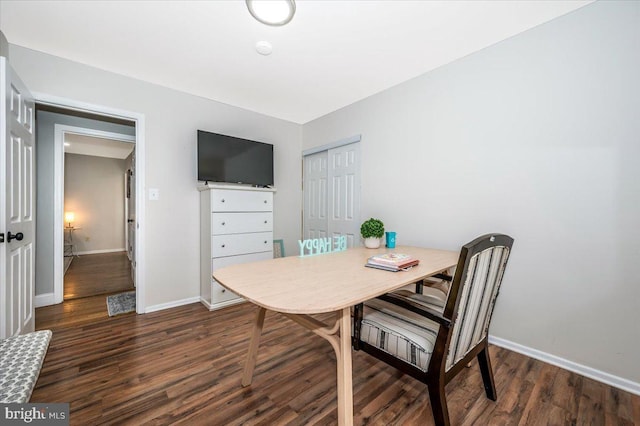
(172, 225)
(45, 134)
(94, 191)
(538, 137)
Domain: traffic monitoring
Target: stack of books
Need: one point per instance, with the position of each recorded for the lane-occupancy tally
(392, 262)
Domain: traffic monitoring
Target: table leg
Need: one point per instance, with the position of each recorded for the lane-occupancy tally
(345, 385)
(339, 335)
(252, 356)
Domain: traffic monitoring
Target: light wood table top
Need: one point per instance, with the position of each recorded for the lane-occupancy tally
(299, 286)
(327, 282)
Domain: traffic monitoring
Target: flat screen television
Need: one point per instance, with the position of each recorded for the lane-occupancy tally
(228, 159)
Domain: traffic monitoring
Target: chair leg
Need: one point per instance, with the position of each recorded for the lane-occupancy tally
(438, 401)
(487, 374)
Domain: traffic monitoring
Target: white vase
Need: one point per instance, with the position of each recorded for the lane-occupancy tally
(372, 242)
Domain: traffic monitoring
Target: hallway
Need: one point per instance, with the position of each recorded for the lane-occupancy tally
(97, 274)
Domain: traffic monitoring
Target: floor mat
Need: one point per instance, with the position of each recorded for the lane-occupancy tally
(121, 303)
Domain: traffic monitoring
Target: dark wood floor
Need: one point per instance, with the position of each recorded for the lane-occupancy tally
(183, 366)
(93, 274)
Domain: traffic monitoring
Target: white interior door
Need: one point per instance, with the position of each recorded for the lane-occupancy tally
(17, 209)
(344, 193)
(131, 217)
(332, 194)
(315, 221)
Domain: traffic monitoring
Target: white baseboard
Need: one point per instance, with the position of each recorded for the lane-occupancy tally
(173, 304)
(46, 299)
(213, 307)
(592, 373)
(116, 250)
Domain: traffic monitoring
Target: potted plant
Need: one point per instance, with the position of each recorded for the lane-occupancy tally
(372, 231)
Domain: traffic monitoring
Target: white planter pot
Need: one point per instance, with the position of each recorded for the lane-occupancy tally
(372, 242)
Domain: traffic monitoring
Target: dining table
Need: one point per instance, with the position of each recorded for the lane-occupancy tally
(301, 286)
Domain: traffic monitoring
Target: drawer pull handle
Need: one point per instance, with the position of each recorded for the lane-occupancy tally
(265, 201)
(223, 246)
(223, 223)
(222, 200)
(265, 242)
(265, 221)
(224, 289)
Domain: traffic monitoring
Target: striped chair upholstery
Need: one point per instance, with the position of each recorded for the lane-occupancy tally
(399, 332)
(432, 291)
(434, 333)
(477, 298)
(404, 334)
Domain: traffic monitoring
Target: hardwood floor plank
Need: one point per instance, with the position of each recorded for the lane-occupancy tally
(567, 388)
(618, 403)
(283, 415)
(635, 401)
(514, 387)
(591, 404)
(94, 274)
(184, 366)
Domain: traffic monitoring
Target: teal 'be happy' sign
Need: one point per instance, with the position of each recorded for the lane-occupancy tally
(322, 245)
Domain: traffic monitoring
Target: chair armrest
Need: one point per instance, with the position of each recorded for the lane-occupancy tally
(419, 309)
(443, 277)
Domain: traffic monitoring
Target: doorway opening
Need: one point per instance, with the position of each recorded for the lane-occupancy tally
(96, 196)
(93, 154)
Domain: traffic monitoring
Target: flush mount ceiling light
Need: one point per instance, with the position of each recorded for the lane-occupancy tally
(272, 12)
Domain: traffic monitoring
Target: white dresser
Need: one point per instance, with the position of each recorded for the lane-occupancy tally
(236, 226)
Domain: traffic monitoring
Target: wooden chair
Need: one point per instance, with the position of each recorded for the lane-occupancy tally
(431, 343)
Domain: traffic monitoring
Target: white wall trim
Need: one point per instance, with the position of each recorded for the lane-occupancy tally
(58, 213)
(139, 120)
(46, 299)
(60, 131)
(592, 373)
(174, 304)
(336, 144)
(220, 305)
(83, 131)
(115, 250)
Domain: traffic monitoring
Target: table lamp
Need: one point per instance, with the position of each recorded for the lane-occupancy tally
(69, 217)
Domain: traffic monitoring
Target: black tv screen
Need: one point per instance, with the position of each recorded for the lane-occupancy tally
(228, 159)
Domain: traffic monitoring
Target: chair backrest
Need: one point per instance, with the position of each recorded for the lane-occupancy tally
(474, 291)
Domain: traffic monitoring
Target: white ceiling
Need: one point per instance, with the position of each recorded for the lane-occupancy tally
(97, 146)
(330, 55)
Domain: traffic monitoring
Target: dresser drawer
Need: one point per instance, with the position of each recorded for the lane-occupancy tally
(235, 223)
(243, 258)
(241, 201)
(234, 244)
(220, 294)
